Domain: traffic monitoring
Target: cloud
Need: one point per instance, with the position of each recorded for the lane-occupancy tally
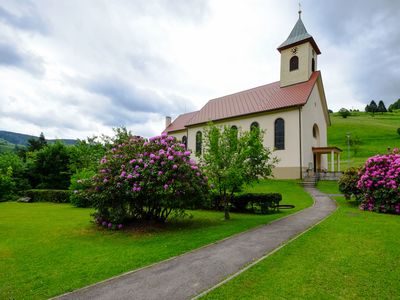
(10, 56)
(76, 68)
(29, 22)
(367, 33)
(127, 96)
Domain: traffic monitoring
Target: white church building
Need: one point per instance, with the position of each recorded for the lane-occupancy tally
(292, 112)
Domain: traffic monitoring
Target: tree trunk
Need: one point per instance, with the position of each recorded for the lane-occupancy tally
(226, 207)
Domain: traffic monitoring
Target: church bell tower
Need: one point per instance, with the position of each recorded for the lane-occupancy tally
(298, 55)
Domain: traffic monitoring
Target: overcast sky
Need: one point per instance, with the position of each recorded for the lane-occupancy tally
(76, 68)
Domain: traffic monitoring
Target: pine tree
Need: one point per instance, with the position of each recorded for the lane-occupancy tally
(373, 107)
(381, 107)
(35, 144)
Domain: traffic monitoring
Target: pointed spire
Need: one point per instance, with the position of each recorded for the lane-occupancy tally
(297, 35)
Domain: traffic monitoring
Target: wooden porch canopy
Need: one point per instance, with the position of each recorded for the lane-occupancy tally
(318, 151)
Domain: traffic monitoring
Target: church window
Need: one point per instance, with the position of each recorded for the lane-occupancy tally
(234, 135)
(254, 125)
(315, 131)
(199, 138)
(313, 65)
(184, 141)
(294, 63)
(279, 134)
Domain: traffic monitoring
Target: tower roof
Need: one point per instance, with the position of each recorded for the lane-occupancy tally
(298, 36)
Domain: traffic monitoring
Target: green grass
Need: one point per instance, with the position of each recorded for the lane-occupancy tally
(376, 133)
(47, 249)
(328, 186)
(351, 255)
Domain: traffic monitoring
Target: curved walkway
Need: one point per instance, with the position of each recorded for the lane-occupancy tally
(186, 276)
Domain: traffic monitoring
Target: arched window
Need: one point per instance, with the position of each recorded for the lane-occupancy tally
(254, 125)
(313, 65)
(199, 138)
(279, 134)
(294, 63)
(315, 131)
(184, 141)
(234, 135)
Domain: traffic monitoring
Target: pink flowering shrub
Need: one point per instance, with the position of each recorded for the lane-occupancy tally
(146, 180)
(379, 183)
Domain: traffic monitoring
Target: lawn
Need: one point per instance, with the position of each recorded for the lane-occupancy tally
(328, 186)
(376, 134)
(47, 249)
(351, 255)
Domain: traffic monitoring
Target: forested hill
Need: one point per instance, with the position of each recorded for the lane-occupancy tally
(22, 139)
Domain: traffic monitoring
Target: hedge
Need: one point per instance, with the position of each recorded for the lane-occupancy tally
(264, 201)
(57, 196)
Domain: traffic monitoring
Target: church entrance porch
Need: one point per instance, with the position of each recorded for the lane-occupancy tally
(333, 171)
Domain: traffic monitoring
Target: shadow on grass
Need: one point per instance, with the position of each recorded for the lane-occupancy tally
(181, 224)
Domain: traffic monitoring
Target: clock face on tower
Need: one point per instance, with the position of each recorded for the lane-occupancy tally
(294, 50)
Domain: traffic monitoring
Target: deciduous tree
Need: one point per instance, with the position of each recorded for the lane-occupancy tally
(233, 158)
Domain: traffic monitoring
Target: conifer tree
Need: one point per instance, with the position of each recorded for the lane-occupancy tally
(381, 107)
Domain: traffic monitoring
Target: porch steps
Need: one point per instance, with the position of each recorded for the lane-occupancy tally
(309, 181)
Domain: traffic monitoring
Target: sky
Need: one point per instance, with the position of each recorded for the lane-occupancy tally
(73, 69)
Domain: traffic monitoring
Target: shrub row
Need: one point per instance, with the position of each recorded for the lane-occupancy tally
(57, 196)
(264, 201)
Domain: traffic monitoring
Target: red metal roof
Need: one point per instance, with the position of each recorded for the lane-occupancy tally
(180, 122)
(263, 98)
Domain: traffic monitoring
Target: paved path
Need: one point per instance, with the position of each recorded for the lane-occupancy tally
(185, 276)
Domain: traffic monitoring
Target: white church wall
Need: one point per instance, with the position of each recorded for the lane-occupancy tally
(288, 167)
(313, 113)
(179, 134)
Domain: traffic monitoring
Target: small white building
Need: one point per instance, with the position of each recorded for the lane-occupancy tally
(292, 112)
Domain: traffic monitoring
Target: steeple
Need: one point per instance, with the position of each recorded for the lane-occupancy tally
(298, 55)
(299, 35)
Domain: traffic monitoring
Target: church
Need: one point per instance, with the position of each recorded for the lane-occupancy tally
(292, 112)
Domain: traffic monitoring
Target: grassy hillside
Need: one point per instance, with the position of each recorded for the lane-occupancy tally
(6, 146)
(9, 139)
(376, 134)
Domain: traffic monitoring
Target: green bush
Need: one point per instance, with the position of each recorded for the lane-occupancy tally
(49, 167)
(348, 183)
(7, 184)
(264, 201)
(57, 196)
(398, 131)
(344, 113)
(240, 202)
(81, 182)
(18, 174)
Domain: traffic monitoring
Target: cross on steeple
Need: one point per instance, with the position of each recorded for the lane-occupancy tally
(300, 10)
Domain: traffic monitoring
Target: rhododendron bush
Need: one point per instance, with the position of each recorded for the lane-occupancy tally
(146, 180)
(379, 183)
